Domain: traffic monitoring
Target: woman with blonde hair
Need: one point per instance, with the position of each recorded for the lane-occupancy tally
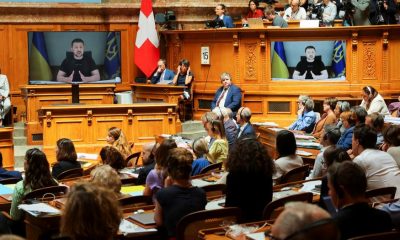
(118, 140)
(218, 151)
(106, 176)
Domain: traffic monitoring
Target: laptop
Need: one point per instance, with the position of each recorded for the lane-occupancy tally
(255, 23)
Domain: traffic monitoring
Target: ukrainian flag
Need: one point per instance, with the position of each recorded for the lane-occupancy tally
(279, 67)
(39, 68)
(112, 64)
(338, 60)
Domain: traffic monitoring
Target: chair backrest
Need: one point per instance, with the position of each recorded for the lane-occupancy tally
(189, 225)
(71, 173)
(211, 168)
(214, 190)
(274, 208)
(325, 229)
(380, 194)
(44, 192)
(132, 160)
(135, 201)
(393, 235)
(296, 174)
(10, 180)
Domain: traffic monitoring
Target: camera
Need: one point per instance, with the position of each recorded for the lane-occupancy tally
(316, 11)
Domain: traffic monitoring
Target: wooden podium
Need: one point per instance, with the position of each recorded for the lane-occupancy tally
(37, 96)
(7, 147)
(156, 93)
(87, 125)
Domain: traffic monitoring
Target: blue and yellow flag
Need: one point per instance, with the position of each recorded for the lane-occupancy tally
(39, 68)
(112, 64)
(338, 60)
(279, 68)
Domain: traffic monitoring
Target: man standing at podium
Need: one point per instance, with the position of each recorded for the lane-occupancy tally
(80, 67)
(229, 95)
(163, 75)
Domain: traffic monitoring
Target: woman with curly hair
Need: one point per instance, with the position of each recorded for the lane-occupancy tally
(249, 182)
(117, 139)
(66, 157)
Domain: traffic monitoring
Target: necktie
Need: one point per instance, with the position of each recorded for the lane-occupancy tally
(221, 96)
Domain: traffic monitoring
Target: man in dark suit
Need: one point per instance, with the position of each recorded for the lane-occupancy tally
(243, 119)
(163, 75)
(228, 95)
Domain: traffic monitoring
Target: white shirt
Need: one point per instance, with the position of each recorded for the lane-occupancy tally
(222, 101)
(380, 169)
(285, 164)
(377, 105)
(299, 15)
(241, 128)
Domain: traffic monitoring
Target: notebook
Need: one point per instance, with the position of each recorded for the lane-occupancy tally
(255, 23)
(144, 218)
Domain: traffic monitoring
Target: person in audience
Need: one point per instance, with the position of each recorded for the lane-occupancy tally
(328, 118)
(310, 66)
(305, 116)
(5, 103)
(229, 124)
(382, 12)
(373, 101)
(96, 209)
(358, 114)
(250, 169)
(347, 185)
(276, 20)
(117, 139)
(218, 151)
(228, 95)
(360, 13)
(221, 11)
(329, 12)
(206, 118)
(200, 149)
(376, 121)
(341, 106)
(156, 177)
(80, 67)
(105, 176)
(66, 157)
(184, 77)
(4, 173)
(380, 168)
(286, 149)
(391, 142)
(394, 108)
(254, 11)
(295, 217)
(180, 197)
(348, 123)
(148, 152)
(245, 128)
(163, 75)
(295, 12)
(330, 137)
(111, 156)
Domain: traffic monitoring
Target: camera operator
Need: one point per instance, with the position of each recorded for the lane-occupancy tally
(382, 12)
(361, 12)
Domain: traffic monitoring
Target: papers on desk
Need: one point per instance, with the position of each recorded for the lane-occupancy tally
(37, 209)
(6, 189)
(281, 194)
(133, 190)
(88, 156)
(307, 144)
(216, 204)
(256, 236)
(304, 137)
(267, 124)
(201, 183)
(311, 187)
(276, 129)
(392, 120)
(303, 153)
(128, 228)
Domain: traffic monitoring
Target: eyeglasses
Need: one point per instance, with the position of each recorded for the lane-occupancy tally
(270, 236)
(226, 79)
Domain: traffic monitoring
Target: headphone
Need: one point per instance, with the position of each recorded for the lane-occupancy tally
(246, 118)
(33, 153)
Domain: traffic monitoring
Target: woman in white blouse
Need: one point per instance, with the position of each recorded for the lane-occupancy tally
(5, 103)
(373, 101)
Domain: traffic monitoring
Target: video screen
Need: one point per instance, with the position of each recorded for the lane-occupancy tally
(74, 57)
(308, 60)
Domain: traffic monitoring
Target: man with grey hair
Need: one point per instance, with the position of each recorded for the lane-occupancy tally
(228, 95)
(306, 117)
(148, 161)
(229, 124)
(243, 119)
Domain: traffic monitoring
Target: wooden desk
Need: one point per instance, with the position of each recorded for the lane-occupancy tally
(156, 93)
(37, 96)
(219, 232)
(7, 147)
(87, 125)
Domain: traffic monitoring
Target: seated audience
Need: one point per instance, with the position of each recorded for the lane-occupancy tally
(228, 95)
(180, 197)
(184, 77)
(206, 118)
(348, 123)
(286, 149)
(382, 12)
(295, 12)
(347, 185)
(245, 129)
(254, 11)
(200, 149)
(394, 108)
(111, 156)
(277, 20)
(163, 75)
(5, 174)
(97, 210)
(66, 157)
(295, 217)
(358, 114)
(105, 176)
(329, 12)
(221, 11)
(148, 152)
(156, 177)
(376, 121)
(249, 182)
(328, 118)
(373, 101)
(218, 151)
(305, 115)
(380, 168)
(394, 211)
(341, 106)
(118, 140)
(391, 142)
(229, 124)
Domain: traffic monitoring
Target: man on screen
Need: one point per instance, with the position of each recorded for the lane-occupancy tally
(310, 66)
(79, 67)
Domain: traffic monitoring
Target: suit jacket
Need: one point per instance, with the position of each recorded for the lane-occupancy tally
(248, 131)
(231, 131)
(233, 98)
(228, 22)
(169, 75)
(345, 140)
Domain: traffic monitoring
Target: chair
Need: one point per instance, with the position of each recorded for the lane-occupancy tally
(274, 208)
(71, 173)
(135, 201)
(296, 174)
(189, 225)
(41, 192)
(394, 235)
(10, 180)
(214, 190)
(134, 157)
(385, 193)
(186, 104)
(211, 168)
(325, 229)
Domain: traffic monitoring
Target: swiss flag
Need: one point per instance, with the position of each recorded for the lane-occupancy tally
(146, 45)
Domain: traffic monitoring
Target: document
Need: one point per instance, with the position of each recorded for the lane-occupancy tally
(37, 209)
